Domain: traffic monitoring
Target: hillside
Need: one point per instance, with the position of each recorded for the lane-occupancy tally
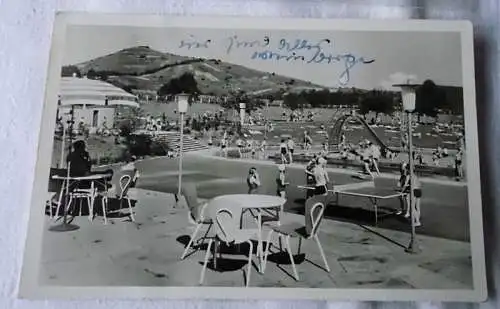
(143, 68)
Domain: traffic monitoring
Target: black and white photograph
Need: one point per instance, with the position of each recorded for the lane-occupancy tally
(267, 156)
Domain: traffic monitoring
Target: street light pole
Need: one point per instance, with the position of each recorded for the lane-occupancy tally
(411, 246)
(182, 105)
(181, 151)
(408, 97)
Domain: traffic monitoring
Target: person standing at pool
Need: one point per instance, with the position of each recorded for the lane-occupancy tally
(281, 181)
(223, 147)
(417, 195)
(283, 151)
(375, 156)
(239, 144)
(253, 181)
(290, 147)
(458, 165)
(324, 149)
(365, 157)
(403, 187)
(310, 181)
(263, 145)
(320, 177)
(307, 141)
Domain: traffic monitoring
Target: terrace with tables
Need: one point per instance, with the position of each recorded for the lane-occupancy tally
(147, 239)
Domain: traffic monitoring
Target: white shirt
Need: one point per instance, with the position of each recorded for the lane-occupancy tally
(290, 144)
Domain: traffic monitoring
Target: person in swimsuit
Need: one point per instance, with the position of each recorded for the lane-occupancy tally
(417, 195)
(320, 177)
(223, 147)
(239, 144)
(263, 145)
(290, 147)
(365, 157)
(310, 181)
(458, 165)
(402, 187)
(253, 181)
(281, 181)
(284, 152)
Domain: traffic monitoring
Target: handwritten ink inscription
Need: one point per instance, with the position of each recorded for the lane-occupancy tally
(296, 50)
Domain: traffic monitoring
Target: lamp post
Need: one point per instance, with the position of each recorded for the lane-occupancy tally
(408, 97)
(242, 113)
(182, 106)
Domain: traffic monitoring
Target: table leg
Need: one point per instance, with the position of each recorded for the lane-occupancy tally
(60, 198)
(92, 199)
(259, 244)
(376, 211)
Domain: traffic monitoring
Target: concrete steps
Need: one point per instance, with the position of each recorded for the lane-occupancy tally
(172, 140)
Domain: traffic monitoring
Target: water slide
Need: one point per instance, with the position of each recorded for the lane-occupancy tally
(336, 131)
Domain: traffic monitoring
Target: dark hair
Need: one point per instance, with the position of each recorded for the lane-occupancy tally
(79, 146)
(282, 140)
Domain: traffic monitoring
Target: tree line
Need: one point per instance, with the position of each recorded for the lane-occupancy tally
(431, 99)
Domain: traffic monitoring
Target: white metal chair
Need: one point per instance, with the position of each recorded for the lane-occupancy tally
(314, 211)
(89, 194)
(125, 184)
(196, 215)
(227, 224)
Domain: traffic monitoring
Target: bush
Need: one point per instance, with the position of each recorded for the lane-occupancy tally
(125, 129)
(157, 149)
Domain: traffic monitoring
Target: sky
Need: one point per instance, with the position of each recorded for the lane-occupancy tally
(371, 59)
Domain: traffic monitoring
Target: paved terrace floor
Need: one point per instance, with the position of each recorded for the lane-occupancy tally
(146, 253)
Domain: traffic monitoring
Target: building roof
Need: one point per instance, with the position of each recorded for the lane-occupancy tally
(83, 91)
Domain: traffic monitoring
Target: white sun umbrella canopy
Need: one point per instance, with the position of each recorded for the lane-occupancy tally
(82, 91)
(94, 101)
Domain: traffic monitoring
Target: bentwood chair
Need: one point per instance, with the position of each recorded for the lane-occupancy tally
(314, 211)
(126, 182)
(228, 231)
(196, 215)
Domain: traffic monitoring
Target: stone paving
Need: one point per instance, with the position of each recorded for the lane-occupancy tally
(147, 253)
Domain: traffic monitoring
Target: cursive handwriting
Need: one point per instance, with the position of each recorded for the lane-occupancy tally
(296, 50)
(192, 42)
(234, 43)
(312, 52)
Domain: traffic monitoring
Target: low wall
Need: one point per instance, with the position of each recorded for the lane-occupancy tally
(421, 170)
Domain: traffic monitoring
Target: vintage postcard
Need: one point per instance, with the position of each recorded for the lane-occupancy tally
(197, 157)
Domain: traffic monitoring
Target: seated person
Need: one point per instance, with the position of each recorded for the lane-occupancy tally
(79, 160)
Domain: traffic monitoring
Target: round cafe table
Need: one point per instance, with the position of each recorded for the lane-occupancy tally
(247, 201)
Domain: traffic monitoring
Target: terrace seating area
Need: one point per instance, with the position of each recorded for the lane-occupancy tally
(215, 243)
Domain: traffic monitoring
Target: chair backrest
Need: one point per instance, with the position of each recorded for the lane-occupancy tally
(125, 182)
(190, 193)
(226, 223)
(314, 210)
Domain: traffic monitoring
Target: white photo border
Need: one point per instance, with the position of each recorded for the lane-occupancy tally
(30, 288)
